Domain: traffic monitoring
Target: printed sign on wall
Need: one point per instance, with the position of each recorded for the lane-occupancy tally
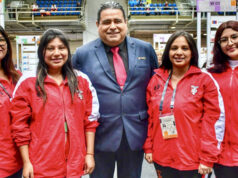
(216, 5)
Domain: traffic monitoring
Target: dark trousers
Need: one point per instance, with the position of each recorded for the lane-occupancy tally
(225, 171)
(168, 172)
(18, 174)
(129, 162)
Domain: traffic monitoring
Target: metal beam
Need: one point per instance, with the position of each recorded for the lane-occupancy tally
(199, 36)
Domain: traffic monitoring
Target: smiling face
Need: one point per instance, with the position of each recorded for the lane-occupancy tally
(180, 53)
(229, 43)
(3, 47)
(112, 27)
(56, 55)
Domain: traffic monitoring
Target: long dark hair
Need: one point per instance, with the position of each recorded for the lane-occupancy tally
(7, 62)
(220, 59)
(166, 63)
(42, 68)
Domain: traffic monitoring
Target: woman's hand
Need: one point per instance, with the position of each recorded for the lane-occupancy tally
(149, 157)
(27, 166)
(28, 170)
(89, 164)
(202, 169)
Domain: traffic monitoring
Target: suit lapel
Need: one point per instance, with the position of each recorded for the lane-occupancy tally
(131, 50)
(102, 57)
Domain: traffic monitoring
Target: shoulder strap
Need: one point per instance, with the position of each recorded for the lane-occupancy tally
(4, 89)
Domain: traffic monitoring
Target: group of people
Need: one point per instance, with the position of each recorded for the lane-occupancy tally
(181, 117)
(163, 9)
(142, 3)
(34, 7)
(43, 12)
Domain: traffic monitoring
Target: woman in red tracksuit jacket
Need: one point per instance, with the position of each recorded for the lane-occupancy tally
(225, 71)
(186, 113)
(55, 113)
(10, 160)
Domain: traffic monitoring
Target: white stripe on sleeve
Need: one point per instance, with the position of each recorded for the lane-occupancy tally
(220, 123)
(95, 104)
(25, 76)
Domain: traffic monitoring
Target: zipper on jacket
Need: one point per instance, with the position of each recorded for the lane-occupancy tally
(66, 130)
(230, 85)
(232, 73)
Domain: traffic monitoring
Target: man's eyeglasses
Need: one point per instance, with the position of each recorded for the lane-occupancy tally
(233, 38)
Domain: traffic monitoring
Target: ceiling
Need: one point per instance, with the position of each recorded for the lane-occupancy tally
(26, 24)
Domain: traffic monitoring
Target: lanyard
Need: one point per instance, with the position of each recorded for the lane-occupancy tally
(163, 95)
(4, 89)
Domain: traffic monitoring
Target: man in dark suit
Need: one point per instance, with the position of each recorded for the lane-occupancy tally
(120, 78)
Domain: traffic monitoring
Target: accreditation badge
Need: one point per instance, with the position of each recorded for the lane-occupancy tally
(168, 126)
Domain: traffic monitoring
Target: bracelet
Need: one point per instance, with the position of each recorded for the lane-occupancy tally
(89, 153)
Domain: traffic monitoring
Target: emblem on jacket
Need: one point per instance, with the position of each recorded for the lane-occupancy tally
(156, 87)
(142, 58)
(194, 89)
(80, 94)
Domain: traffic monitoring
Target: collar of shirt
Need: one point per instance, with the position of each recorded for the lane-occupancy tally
(233, 63)
(121, 46)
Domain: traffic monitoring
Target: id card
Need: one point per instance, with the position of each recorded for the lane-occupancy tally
(168, 126)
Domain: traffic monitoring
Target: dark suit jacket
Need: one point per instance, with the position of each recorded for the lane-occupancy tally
(119, 110)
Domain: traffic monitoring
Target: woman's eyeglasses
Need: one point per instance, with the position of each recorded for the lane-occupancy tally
(224, 40)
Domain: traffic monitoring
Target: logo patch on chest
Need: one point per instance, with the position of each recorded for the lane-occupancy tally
(156, 87)
(194, 89)
(80, 94)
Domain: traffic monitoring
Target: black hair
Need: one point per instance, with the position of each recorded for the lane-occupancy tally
(42, 68)
(220, 59)
(7, 62)
(166, 63)
(110, 5)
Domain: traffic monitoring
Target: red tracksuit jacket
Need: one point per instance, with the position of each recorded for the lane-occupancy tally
(42, 126)
(228, 83)
(199, 117)
(10, 160)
